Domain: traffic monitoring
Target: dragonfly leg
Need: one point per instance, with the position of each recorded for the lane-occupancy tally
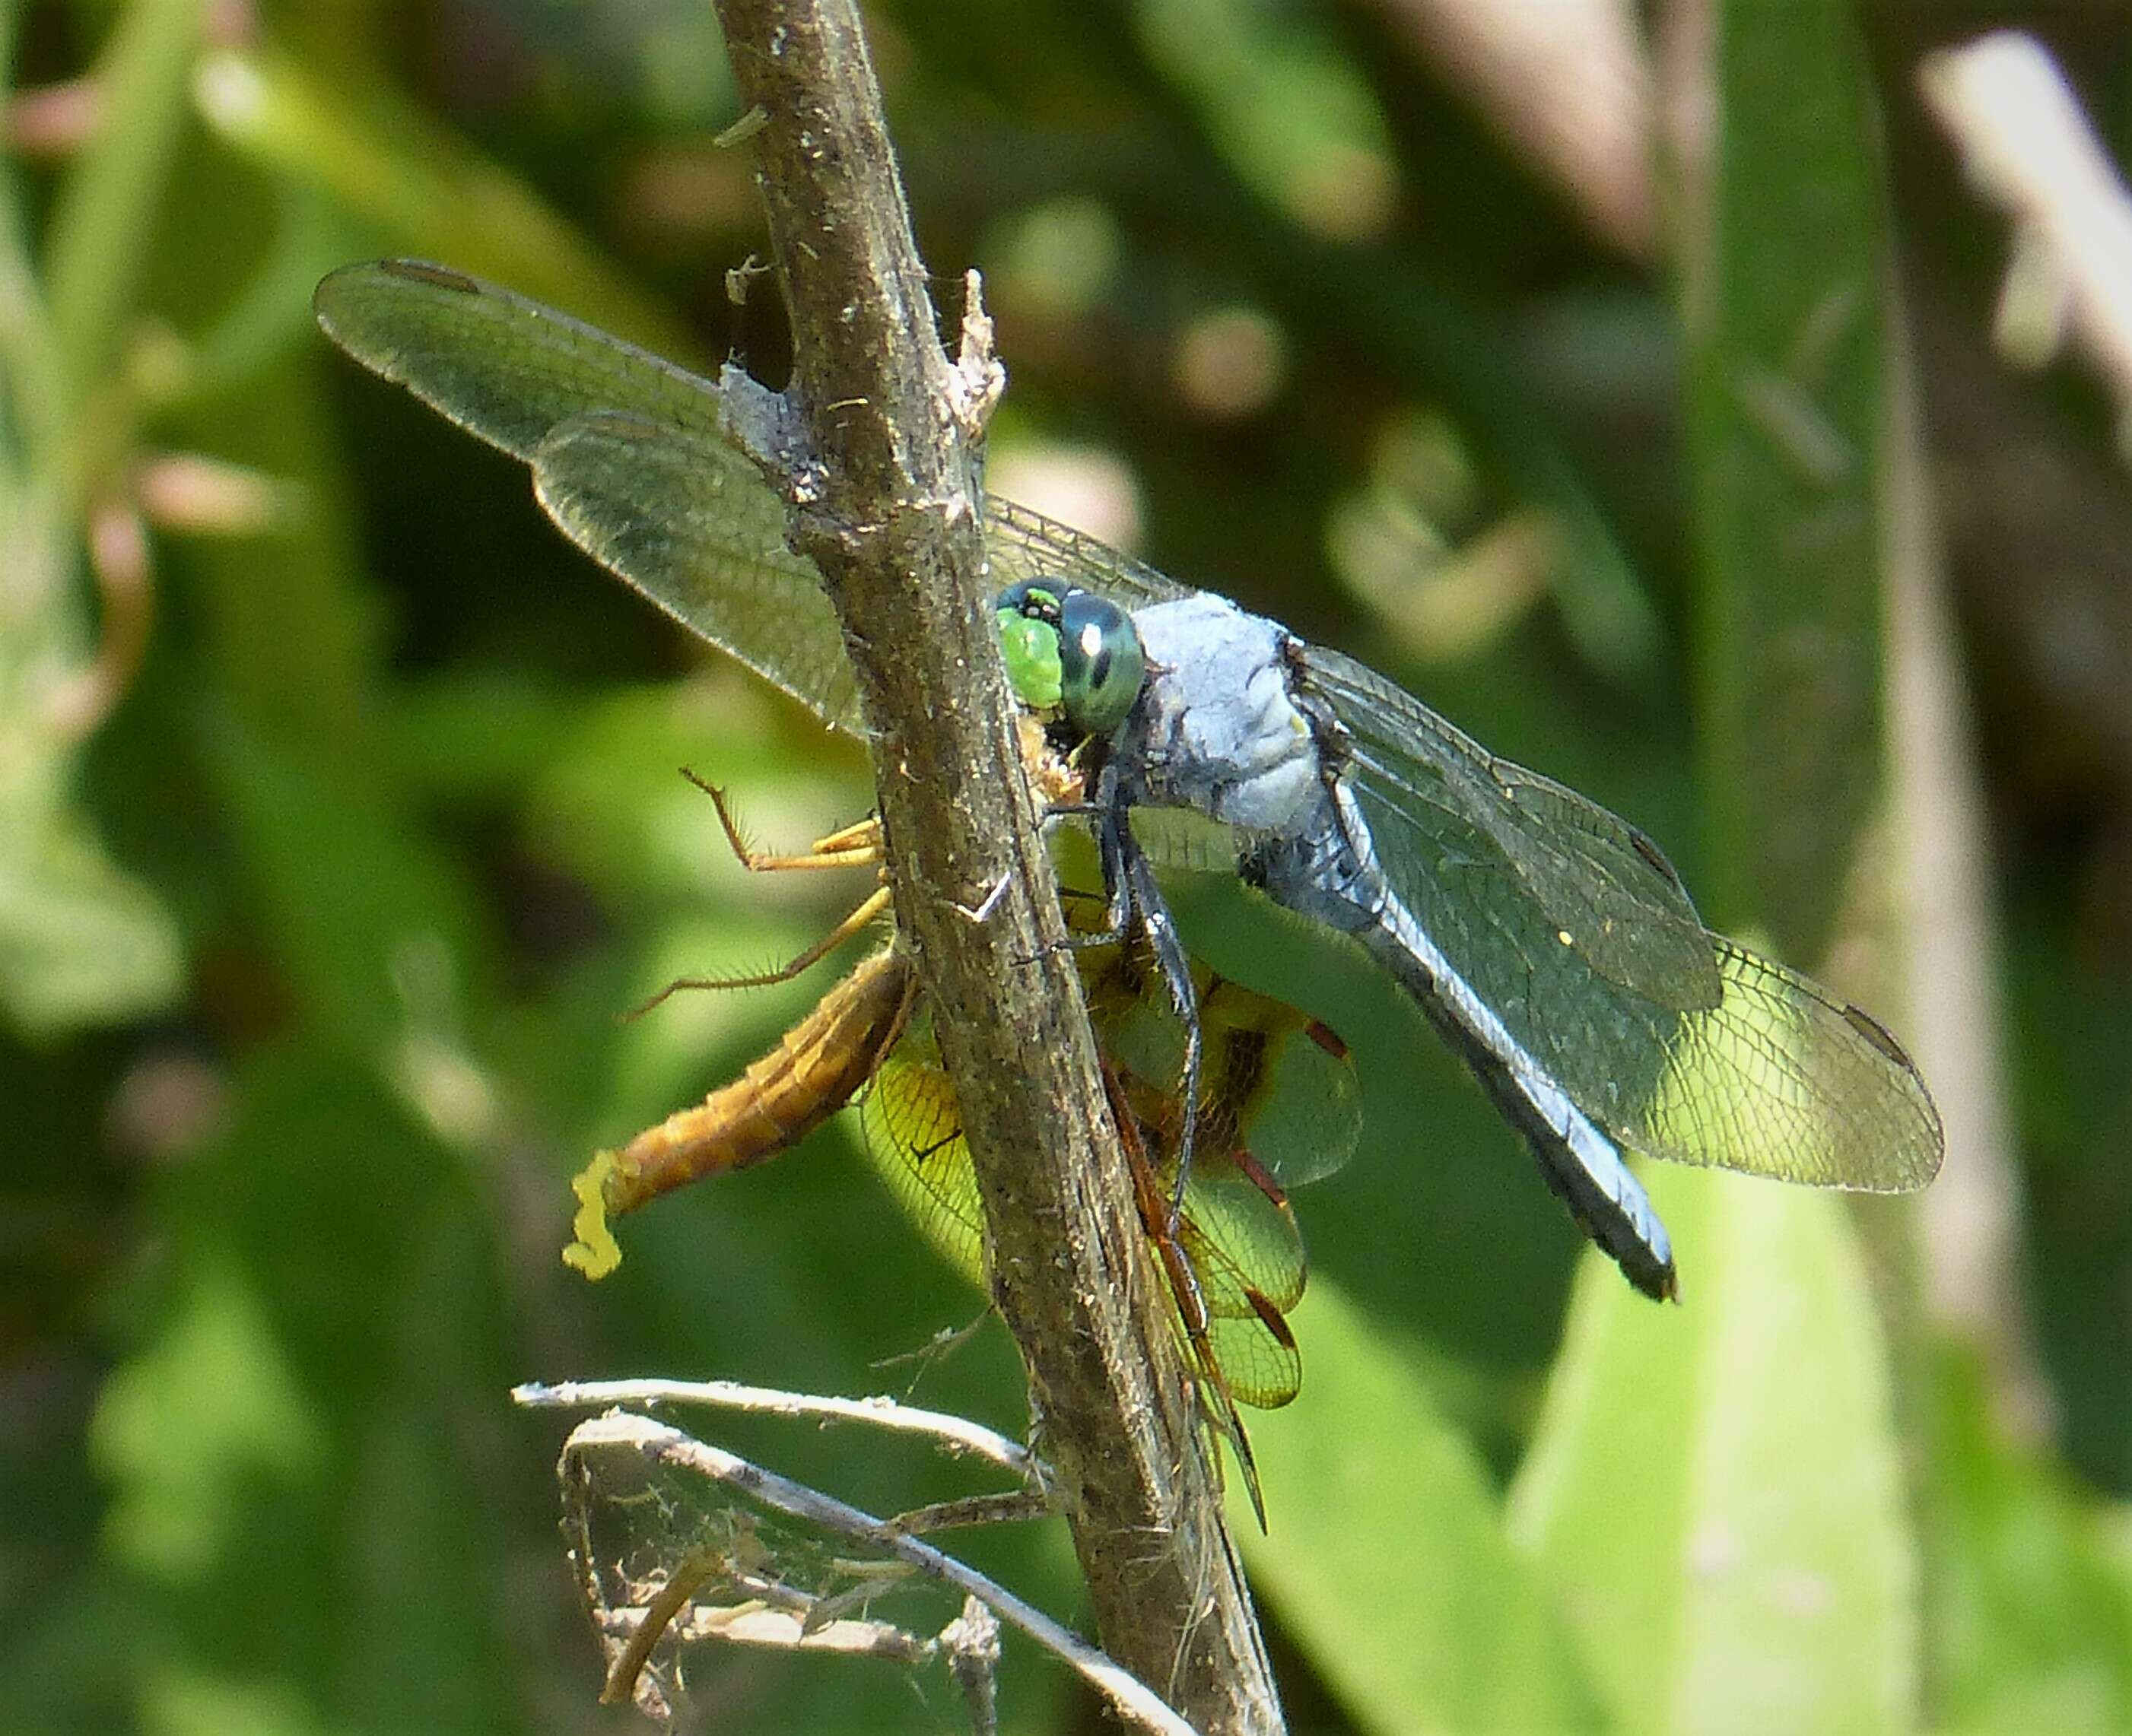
(855, 846)
(1081, 940)
(874, 904)
(1117, 920)
(1159, 1218)
(1137, 901)
(1114, 847)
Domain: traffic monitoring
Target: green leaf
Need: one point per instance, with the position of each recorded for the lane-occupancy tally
(423, 186)
(353, 895)
(1716, 1488)
(310, 1403)
(1291, 111)
(1782, 283)
(81, 942)
(176, 1701)
(1387, 1559)
(115, 193)
(2032, 1607)
(185, 1465)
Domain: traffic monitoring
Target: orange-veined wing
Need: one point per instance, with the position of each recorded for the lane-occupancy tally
(1278, 1106)
(1278, 1100)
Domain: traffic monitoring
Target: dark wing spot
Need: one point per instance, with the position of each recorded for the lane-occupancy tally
(1271, 1318)
(438, 276)
(1652, 854)
(1880, 1036)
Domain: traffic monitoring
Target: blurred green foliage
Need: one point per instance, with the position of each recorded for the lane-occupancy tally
(316, 916)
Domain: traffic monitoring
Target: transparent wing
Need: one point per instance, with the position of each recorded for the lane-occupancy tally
(1277, 1091)
(1277, 1095)
(1517, 841)
(1024, 544)
(1562, 920)
(501, 366)
(627, 459)
(911, 1127)
(1247, 1253)
(1783, 1079)
(681, 515)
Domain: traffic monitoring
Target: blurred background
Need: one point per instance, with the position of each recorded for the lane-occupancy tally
(1639, 386)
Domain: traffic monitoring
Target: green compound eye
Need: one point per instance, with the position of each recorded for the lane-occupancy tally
(1101, 664)
(1070, 651)
(1029, 641)
(1031, 650)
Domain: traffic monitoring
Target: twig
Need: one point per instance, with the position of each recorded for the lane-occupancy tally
(957, 1434)
(670, 1447)
(973, 1644)
(1568, 84)
(2029, 149)
(876, 450)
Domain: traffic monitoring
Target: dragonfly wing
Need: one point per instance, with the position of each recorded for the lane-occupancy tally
(501, 366)
(1280, 1089)
(1277, 1094)
(1559, 918)
(1277, 1088)
(1024, 544)
(912, 1129)
(630, 461)
(684, 517)
(627, 455)
(1247, 1253)
(1783, 1079)
(1512, 837)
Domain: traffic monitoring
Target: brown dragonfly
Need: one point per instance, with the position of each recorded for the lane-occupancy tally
(1277, 1105)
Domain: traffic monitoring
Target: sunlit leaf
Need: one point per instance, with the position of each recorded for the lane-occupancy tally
(81, 941)
(2032, 1576)
(1715, 1489)
(1386, 1556)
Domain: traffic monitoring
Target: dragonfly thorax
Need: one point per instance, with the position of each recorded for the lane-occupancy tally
(1217, 728)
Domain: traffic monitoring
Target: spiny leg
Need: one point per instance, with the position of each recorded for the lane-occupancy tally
(1117, 922)
(871, 907)
(856, 846)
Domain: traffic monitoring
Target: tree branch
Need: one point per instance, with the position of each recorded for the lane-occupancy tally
(888, 502)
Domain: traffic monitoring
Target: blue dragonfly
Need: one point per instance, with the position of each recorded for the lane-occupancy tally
(1548, 940)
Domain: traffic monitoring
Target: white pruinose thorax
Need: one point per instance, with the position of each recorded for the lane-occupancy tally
(1215, 728)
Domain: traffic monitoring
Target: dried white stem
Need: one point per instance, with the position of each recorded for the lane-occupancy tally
(1568, 83)
(957, 1434)
(2028, 149)
(657, 1441)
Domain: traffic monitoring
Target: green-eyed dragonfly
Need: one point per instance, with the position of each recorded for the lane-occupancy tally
(1277, 1106)
(1548, 941)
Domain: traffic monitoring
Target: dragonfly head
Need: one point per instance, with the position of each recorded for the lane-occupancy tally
(1071, 654)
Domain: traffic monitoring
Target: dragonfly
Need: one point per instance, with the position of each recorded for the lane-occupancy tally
(1548, 942)
(1278, 1106)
